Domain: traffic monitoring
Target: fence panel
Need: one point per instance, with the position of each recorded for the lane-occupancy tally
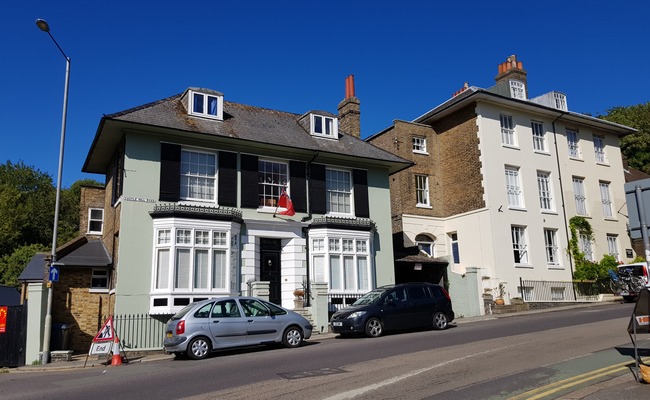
(140, 331)
(561, 291)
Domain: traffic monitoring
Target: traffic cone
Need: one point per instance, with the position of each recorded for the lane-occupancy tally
(117, 357)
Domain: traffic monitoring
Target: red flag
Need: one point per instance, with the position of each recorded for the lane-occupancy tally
(285, 202)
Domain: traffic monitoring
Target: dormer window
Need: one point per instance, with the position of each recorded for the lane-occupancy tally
(517, 90)
(559, 101)
(206, 105)
(324, 126)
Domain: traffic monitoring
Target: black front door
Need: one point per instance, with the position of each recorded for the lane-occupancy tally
(270, 268)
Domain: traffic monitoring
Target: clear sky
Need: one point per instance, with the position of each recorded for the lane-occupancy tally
(407, 57)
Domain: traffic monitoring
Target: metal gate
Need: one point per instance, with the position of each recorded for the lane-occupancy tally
(14, 337)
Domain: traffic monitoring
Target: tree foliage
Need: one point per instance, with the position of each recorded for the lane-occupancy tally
(635, 147)
(27, 202)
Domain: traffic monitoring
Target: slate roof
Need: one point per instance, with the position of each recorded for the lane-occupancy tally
(9, 296)
(91, 254)
(34, 271)
(240, 122)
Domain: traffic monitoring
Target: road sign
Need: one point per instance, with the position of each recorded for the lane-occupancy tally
(55, 272)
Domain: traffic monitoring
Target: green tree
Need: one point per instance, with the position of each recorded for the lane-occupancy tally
(635, 147)
(26, 206)
(12, 265)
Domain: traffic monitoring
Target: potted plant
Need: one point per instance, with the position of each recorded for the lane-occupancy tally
(299, 298)
(500, 294)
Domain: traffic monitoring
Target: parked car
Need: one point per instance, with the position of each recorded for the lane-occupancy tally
(636, 277)
(395, 307)
(220, 323)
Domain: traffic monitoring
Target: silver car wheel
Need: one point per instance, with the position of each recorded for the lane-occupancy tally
(198, 349)
(373, 327)
(292, 337)
(440, 320)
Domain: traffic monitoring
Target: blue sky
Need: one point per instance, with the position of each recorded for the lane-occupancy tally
(407, 57)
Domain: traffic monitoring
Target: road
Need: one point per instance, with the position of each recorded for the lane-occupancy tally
(527, 356)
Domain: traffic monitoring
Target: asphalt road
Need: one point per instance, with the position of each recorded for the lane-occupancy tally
(543, 355)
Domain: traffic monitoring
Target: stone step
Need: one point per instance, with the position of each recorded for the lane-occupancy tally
(509, 308)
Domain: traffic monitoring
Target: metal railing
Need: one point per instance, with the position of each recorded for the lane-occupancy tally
(140, 331)
(561, 291)
(336, 301)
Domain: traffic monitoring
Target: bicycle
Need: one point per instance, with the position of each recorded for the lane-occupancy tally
(625, 282)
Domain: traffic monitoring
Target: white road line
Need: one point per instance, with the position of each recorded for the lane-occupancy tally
(358, 392)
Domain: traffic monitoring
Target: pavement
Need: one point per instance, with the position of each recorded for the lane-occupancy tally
(608, 386)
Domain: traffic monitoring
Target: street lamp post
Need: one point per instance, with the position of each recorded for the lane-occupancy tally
(42, 25)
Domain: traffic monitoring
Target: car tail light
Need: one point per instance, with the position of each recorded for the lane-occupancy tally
(446, 294)
(180, 328)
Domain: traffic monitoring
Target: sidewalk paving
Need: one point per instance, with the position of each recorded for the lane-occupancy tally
(619, 387)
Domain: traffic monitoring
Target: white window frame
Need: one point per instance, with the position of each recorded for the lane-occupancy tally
(599, 150)
(539, 136)
(551, 246)
(586, 246)
(580, 196)
(426, 244)
(422, 190)
(514, 190)
(517, 90)
(560, 101)
(273, 178)
(100, 274)
(198, 177)
(508, 137)
(606, 200)
(327, 123)
(191, 239)
(95, 219)
(545, 191)
(573, 143)
(343, 261)
(612, 246)
(420, 145)
(519, 244)
(455, 248)
(344, 196)
(199, 104)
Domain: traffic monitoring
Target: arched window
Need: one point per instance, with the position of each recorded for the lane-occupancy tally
(425, 244)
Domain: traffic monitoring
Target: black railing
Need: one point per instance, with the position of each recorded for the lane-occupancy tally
(561, 291)
(140, 331)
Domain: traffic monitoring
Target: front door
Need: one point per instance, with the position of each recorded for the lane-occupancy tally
(270, 268)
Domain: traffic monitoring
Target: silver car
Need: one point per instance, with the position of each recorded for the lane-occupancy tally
(224, 322)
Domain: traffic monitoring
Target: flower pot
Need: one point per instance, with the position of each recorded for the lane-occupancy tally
(499, 302)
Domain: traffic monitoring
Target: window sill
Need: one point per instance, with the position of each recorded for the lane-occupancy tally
(576, 159)
(424, 153)
(515, 208)
(527, 266)
(612, 219)
(550, 212)
(583, 215)
(555, 267)
(542, 152)
(510, 146)
(98, 290)
(604, 164)
(423, 206)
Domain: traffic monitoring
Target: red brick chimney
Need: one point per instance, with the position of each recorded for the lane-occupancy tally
(349, 110)
(512, 69)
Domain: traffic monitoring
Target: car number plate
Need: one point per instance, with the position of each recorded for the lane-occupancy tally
(337, 323)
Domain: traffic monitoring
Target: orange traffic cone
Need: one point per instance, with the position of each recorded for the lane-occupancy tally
(117, 357)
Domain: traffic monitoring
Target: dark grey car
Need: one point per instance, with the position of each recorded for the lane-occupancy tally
(395, 307)
(208, 325)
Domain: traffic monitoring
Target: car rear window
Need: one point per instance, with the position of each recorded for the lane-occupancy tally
(637, 270)
(183, 311)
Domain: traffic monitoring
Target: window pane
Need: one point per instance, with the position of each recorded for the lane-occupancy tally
(319, 269)
(212, 105)
(335, 272)
(219, 266)
(182, 272)
(349, 272)
(318, 124)
(363, 273)
(162, 269)
(201, 263)
(198, 103)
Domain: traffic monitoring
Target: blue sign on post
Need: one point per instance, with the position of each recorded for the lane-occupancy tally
(55, 271)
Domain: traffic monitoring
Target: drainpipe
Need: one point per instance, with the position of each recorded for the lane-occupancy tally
(305, 232)
(559, 170)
